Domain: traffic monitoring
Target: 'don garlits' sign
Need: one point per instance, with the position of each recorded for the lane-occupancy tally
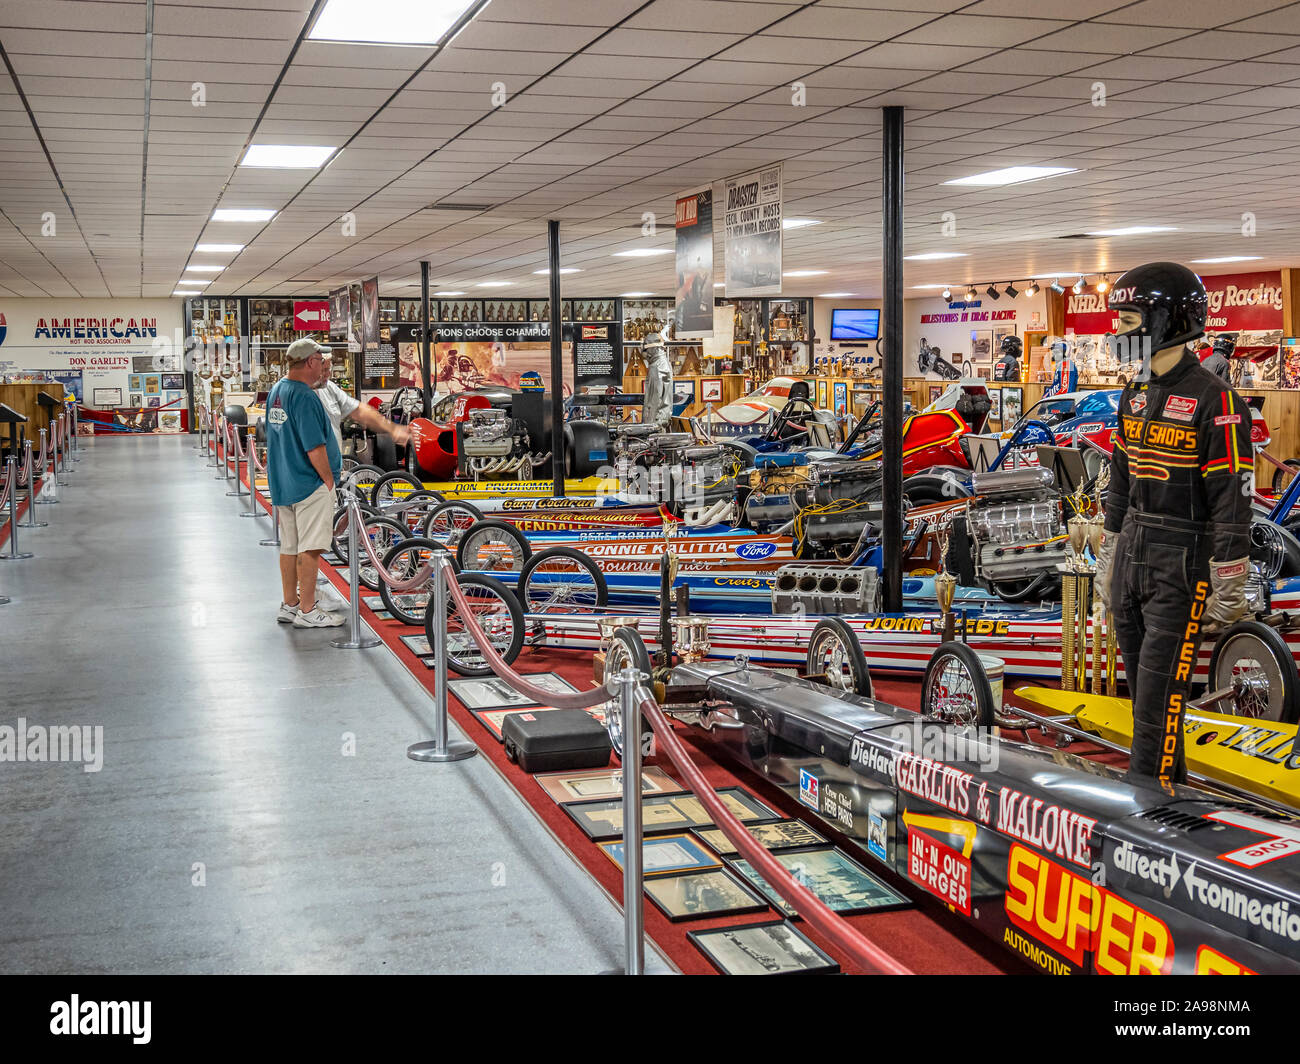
(1237, 302)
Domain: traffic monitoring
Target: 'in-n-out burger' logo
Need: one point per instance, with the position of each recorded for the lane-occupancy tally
(1050, 828)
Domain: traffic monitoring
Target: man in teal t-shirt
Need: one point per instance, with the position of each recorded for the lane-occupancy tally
(302, 465)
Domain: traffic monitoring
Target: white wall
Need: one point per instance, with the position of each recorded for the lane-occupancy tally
(106, 340)
(953, 338)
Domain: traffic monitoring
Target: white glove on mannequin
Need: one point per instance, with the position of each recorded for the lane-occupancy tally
(1227, 600)
(1105, 555)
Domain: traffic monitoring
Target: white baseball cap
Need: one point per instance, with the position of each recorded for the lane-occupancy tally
(302, 349)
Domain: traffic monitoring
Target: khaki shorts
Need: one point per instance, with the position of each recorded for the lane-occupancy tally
(308, 525)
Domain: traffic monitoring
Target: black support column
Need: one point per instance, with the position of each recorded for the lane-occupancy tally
(891, 206)
(426, 365)
(557, 358)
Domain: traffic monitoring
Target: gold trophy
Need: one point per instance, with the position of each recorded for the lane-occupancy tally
(945, 588)
(1104, 653)
(1076, 600)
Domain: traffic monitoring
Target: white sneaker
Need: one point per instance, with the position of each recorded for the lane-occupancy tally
(318, 618)
(287, 613)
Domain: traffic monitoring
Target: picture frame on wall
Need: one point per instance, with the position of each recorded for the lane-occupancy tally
(711, 390)
(936, 390)
(153, 400)
(137, 400)
(152, 384)
(995, 404)
(173, 382)
(822, 395)
(841, 394)
(104, 397)
(981, 345)
(136, 383)
(1013, 401)
(999, 331)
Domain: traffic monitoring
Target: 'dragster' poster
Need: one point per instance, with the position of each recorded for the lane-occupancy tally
(753, 233)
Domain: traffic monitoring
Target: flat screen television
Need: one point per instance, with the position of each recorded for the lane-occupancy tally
(862, 324)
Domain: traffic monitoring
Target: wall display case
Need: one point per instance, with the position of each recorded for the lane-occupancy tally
(215, 320)
(641, 317)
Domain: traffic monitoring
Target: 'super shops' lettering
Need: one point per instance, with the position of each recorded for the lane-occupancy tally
(1050, 828)
(1173, 437)
(1212, 962)
(935, 782)
(1071, 915)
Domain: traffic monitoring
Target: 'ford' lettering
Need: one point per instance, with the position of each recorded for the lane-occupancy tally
(755, 552)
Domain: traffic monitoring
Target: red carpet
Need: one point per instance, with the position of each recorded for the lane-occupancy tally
(926, 938)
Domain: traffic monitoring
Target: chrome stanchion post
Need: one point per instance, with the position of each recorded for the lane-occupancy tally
(31, 521)
(52, 492)
(440, 749)
(61, 454)
(75, 446)
(212, 440)
(274, 541)
(355, 640)
(223, 454)
(239, 480)
(13, 554)
(633, 902)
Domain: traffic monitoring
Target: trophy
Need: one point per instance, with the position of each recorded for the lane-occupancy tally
(945, 588)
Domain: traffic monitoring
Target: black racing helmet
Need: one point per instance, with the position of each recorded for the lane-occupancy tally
(1170, 298)
(1225, 345)
(1011, 345)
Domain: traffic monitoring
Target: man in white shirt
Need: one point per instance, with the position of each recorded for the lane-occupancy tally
(339, 406)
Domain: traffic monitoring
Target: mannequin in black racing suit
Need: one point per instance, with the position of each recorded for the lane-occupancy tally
(1008, 365)
(1178, 510)
(1217, 360)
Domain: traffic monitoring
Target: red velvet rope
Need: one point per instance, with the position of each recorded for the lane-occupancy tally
(44, 462)
(4, 495)
(25, 470)
(810, 907)
(813, 909)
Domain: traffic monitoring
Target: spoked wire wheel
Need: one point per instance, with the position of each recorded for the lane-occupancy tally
(416, 508)
(1254, 661)
(561, 580)
(495, 609)
(339, 540)
(394, 487)
(835, 657)
(361, 481)
(956, 689)
(626, 647)
(493, 547)
(384, 534)
(404, 562)
(447, 523)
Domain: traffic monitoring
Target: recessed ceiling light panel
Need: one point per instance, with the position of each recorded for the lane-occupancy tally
(1013, 175)
(419, 22)
(642, 253)
(931, 256)
(287, 156)
(242, 214)
(218, 249)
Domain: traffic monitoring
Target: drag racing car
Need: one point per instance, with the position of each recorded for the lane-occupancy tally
(1064, 861)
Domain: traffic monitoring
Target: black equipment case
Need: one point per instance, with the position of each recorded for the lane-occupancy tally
(555, 740)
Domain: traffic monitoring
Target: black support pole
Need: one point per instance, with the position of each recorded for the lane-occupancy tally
(891, 200)
(557, 358)
(426, 365)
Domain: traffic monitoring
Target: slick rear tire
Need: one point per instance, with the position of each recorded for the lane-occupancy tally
(956, 689)
(626, 647)
(1258, 659)
(835, 657)
(385, 453)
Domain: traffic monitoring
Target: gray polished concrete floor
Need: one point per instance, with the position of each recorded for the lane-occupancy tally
(232, 828)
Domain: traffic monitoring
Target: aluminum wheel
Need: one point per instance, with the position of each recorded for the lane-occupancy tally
(1255, 663)
(835, 657)
(496, 610)
(561, 580)
(493, 547)
(956, 689)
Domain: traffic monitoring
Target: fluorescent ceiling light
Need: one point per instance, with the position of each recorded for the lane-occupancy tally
(1012, 175)
(204, 269)
(642, 253)
(494, 284)
(719, 284)
(193, 284)
(184, 292)
(1134, 230)
(419, 22)
(927, 256)
(218, 249)
(563, 269)
(804, 273)
(448, 293)
(286, 156)
(635, 295)
(242, 214)
(799, 223)
(1231, 258)
(836, 295)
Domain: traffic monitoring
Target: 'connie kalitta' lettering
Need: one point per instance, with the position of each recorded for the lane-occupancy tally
(78, 743)
(935, 782)
(1050, 828)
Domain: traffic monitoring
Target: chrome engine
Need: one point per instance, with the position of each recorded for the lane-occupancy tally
(1013, 528)
(673, 467)
(495, 444)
